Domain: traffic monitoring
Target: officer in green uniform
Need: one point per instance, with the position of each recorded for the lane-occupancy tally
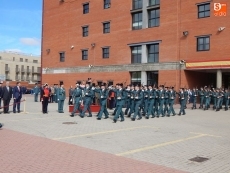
(55, 93)
(120, 97)
(77, 97)
(172, 97)
(194, 97)
(156, 105)
(206, 98)
(61, 96)
(219, 96)
(151, 96)
(138, 96)
(36, 92)
(127, 100)
(146, 100)
(226, 99)
(166, 100)
(103, 94)
(182, 101)
(161, 102)
(87, 99)
(201, 94)
(214, 95)
(132, 106)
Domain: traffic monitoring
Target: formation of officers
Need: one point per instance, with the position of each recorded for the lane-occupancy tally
(145, 101)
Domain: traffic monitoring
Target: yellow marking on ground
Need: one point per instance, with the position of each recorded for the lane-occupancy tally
(206, 135)
(103, 132)
(160, 145)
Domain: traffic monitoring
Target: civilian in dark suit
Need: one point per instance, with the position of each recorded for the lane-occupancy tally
(6, 96)
(0, 95)
(17, 95)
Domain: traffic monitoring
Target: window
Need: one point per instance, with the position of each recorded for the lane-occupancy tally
(204, 10)
(106, 27)
(13, 58)
(35, 61)
(136, 54)
(154, 2)
(105, 52)
(137, 21)
(153, 53)
(137, 4)
(154, 17)
(85, 8)
(21, 59)
(203, 43)
(106, 4)
(152, 78)
(135, 77)
(26, 60)
(85, 31)
(84, 54)
(62, 56)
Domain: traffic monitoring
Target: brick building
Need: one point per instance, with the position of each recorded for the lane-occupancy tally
(177, 43)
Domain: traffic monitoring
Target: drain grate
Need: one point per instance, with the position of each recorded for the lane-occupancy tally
(69, 123)
(199, 159)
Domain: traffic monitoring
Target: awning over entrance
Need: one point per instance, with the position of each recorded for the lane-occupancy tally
(208, 65)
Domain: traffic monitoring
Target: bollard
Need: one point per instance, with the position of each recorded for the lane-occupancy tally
(24, 106)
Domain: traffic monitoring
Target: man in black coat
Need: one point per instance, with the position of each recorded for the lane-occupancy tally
(6, 96)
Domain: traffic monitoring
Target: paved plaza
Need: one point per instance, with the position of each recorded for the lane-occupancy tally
(36, 142)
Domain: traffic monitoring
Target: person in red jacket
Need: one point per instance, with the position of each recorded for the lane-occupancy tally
(45, 98)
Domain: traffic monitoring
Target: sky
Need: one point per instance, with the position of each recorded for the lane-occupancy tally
(20, 26)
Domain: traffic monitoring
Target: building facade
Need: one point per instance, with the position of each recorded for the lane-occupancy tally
(20, 67)
(180, 43)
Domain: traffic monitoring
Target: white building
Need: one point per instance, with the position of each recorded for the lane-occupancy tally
(20, 67)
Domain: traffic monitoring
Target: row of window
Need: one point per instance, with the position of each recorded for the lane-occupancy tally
(138, 4)
(203, 44)
(105, 54)
(106, 29)
(107, 4)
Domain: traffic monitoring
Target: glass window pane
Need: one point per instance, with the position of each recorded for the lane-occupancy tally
(201, 8)
(200, 47)
(207, 13)
(207, 7)
(200, 41)
(157, 22)
(157, 57)
(207, 40)
(201, 14)
(157, 13)
(156, 48)
(206, 46)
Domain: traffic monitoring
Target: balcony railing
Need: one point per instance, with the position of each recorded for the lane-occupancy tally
(28, 71)
(27, 78)
(8, 78)
(35, 71)
(23, 70)
(35, 79)
(17, 70)
(23, 78)
(7, 69)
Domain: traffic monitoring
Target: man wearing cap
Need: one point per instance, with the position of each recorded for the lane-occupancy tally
(6, 96)
(45, 98)
(0, 95)
(166, 100)
(172, 97)
(138, 96)
(87, 99)
(151, 96)
(61, 96)
(17, 95)
(36, 92)
(127, 99)
(103, 95)
(145, 99)
(77, 97)
(120, 98)
(182, 101)
(132, 102)
(201, 94)
(161, 102)
(194, 97)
